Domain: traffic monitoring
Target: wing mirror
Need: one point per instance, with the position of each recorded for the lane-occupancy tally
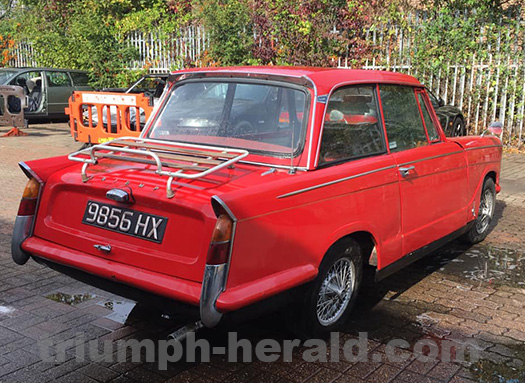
(495, 128)
(441, 102)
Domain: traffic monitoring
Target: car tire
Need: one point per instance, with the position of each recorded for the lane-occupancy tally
(458, 127)
(487, 204)
(329, 299)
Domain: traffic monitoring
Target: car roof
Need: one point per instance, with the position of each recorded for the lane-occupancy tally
(325, 78)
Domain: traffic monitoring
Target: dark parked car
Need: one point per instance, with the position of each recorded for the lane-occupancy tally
(152, 85)
(47, 89)
(450, 117)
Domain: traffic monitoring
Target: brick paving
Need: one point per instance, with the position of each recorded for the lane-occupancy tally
(458, 293)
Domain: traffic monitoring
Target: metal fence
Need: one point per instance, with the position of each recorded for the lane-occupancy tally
(161, 52)
(486, 88)
(23, 55)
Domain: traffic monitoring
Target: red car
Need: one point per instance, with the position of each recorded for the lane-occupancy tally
(257, 182)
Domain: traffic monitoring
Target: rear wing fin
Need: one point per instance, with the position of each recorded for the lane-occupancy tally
(171, 159)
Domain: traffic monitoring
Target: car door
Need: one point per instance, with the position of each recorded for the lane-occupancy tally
(353, 148)
(31, 82)
(59, 88)
(432, 171)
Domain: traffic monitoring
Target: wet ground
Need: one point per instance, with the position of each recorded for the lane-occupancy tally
(459, 293)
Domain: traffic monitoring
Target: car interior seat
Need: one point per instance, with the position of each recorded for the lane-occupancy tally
(35, 96)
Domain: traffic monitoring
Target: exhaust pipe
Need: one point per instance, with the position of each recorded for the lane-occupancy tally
(182, 333)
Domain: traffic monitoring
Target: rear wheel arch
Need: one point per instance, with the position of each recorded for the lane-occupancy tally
(366, 242)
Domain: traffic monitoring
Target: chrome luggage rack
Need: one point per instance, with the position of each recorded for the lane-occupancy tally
(191, 161)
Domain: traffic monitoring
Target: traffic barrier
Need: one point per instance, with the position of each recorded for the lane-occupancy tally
(98, 117)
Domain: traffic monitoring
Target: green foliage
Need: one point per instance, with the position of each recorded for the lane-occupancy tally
(76, 34)
(453, 31)
(228, 22)
(88, 34)
(309, 32)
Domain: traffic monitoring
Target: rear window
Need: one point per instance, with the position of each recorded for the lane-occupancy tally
(264, 118)
(79, 79)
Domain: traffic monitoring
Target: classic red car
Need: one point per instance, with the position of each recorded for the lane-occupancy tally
(251, 181)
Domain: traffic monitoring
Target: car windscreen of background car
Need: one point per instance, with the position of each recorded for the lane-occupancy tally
(4, 75)
(256, 117)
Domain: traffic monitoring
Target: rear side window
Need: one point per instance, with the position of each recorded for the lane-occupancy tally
(352, 128)
(79, 79)
(55, 79)
(403, 123)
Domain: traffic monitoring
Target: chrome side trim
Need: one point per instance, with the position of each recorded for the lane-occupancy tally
(22, 230)
(485, 147)
(273, 165)
(211, 289)
(334, 182)
(430, 158)
(314, 106)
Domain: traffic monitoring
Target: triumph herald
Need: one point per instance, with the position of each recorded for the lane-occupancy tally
(252, 183)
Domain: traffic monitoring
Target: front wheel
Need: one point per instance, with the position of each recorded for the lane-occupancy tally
(331, 296)
(458, 127)
(487, 204)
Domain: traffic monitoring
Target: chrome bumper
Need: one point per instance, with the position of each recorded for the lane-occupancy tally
(22, 230)
(212, 286)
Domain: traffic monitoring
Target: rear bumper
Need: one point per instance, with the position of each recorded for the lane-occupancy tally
(22, 230)
(159, 284)
(210, 296)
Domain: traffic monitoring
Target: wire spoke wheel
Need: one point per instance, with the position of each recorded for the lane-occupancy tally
(486, 210)
(336, 291)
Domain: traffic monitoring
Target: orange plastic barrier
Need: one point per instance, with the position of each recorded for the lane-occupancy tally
(97, 117)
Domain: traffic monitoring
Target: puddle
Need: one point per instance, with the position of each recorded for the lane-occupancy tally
(70, 299)
(486, 371)
(6, 310)
(480, 263)
(121, 310)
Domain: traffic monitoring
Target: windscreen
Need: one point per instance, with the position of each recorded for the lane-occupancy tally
(269, 119)
(4, 76)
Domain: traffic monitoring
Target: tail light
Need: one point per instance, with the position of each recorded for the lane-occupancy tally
(29, 198)
(221, 240)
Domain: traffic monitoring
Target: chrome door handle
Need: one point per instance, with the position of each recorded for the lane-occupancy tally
(104, 248)
(405, 171)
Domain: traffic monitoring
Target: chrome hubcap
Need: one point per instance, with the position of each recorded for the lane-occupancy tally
(336, 291)
(486, 209)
